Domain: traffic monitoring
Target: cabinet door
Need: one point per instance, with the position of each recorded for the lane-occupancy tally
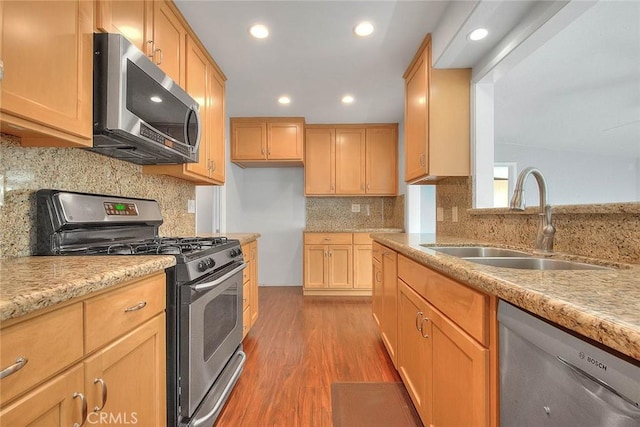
(382, 161)
(459, 376)
(341, 266)
(46, 91)
(390, 301)
(315, 266)
(131, 18)
(376, 299)
(350, 161)
(284, 141)
(168, 41)
(216, 113)
(248, 140)
(196, 85)
(132, 369)
(319, 162)
(416, 119)
(362, 266)
(414, 349)
(50, 405)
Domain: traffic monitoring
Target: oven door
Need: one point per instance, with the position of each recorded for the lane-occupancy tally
(210, 332)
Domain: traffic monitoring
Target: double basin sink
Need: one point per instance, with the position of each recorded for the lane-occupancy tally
(498, 257)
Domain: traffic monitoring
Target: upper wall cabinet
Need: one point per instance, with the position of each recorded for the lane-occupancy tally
(46, 57)
(436, 120)
(351, 160)
(267, 141)
(133, 19)
(205, 83)
(168, 43)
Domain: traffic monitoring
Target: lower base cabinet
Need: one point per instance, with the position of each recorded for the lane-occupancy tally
(250, 287)
(446, 346)
(130, 367)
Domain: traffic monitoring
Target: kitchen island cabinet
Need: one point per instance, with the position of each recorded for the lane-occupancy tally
(385, 297)
(54, 390)
(46, 87)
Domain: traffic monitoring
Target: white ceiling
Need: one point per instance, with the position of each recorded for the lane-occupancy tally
(312, 55)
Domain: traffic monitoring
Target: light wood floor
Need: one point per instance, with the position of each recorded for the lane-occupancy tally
(297, 348)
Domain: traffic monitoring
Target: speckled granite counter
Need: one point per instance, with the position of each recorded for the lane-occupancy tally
(31, 283)
(244, 238)
(351, 230)
(603, 305)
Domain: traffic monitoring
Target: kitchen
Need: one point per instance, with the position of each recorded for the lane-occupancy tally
(272, 202)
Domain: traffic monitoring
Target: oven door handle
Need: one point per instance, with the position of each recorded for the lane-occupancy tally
(219, 280)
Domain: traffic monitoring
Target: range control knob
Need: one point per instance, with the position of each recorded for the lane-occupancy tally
(202, 266)
(210, 262)
(235, 252)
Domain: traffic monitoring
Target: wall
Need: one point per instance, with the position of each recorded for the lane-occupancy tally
(269, 201)
(25, 170)
(609, 231)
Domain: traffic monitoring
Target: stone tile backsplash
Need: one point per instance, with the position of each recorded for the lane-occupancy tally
(24, 170)
(334, 213)
(610, 231)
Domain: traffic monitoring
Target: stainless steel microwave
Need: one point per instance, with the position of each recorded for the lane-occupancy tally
(139, 113)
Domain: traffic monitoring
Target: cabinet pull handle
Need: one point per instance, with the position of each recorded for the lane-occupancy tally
(368, 186)
(332, 187)
(424, 319)
(262, 149)
(362, 187)
(377, 276)
(1, 69)
(84, 409)
(153, 50)
(330, 253)
(138, 306)
(422, 159)
(326, 253)
(419, 326)
(103, 387)
(161, 55)
(213, 165)
(18, 364)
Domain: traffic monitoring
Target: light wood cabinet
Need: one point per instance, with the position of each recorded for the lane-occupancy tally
(351, 160)
(362, 274)
(250, 286)
(437, 106)
(46, 90)
(376, 297)
(131, 18)
(445, 341)
(66, 368)
(206, 84)
(389, 326)
(169, 40)
(267, 141)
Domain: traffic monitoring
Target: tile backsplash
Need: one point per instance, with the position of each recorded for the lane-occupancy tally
(335, 213)
(24, 170)
(609, 231)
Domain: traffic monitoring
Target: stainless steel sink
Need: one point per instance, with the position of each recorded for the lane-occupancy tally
(534, 263)
(477, 251)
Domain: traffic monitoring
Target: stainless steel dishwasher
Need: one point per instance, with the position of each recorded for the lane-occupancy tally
(549, 377)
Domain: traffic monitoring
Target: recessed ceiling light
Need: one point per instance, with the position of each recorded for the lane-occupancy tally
(347, 99)
(478, 34)
(284, 100)
(363, 29)
(156, 98)
(259, 31)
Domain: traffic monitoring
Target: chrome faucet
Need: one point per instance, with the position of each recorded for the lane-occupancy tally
(546, 231)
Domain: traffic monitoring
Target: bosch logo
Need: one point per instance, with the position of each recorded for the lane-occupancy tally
(596, 363)
(581, 355)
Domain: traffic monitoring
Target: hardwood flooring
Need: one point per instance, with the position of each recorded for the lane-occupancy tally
(297, 348)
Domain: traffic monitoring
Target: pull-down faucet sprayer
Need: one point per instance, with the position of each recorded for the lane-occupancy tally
(546, 231)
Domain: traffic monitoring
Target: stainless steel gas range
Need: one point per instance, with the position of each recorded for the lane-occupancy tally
(204, 290)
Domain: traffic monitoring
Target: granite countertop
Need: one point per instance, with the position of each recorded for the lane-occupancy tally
(352, 230)
(603, 305)
(31, 283)
(34, 282)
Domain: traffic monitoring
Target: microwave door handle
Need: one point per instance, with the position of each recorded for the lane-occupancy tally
(219, 280)
(196, 114)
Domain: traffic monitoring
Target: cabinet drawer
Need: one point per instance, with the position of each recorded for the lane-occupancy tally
(414, 275)
(49, 343)
(362, 239)
(111, 315)
(327, 238)
(467, 307)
